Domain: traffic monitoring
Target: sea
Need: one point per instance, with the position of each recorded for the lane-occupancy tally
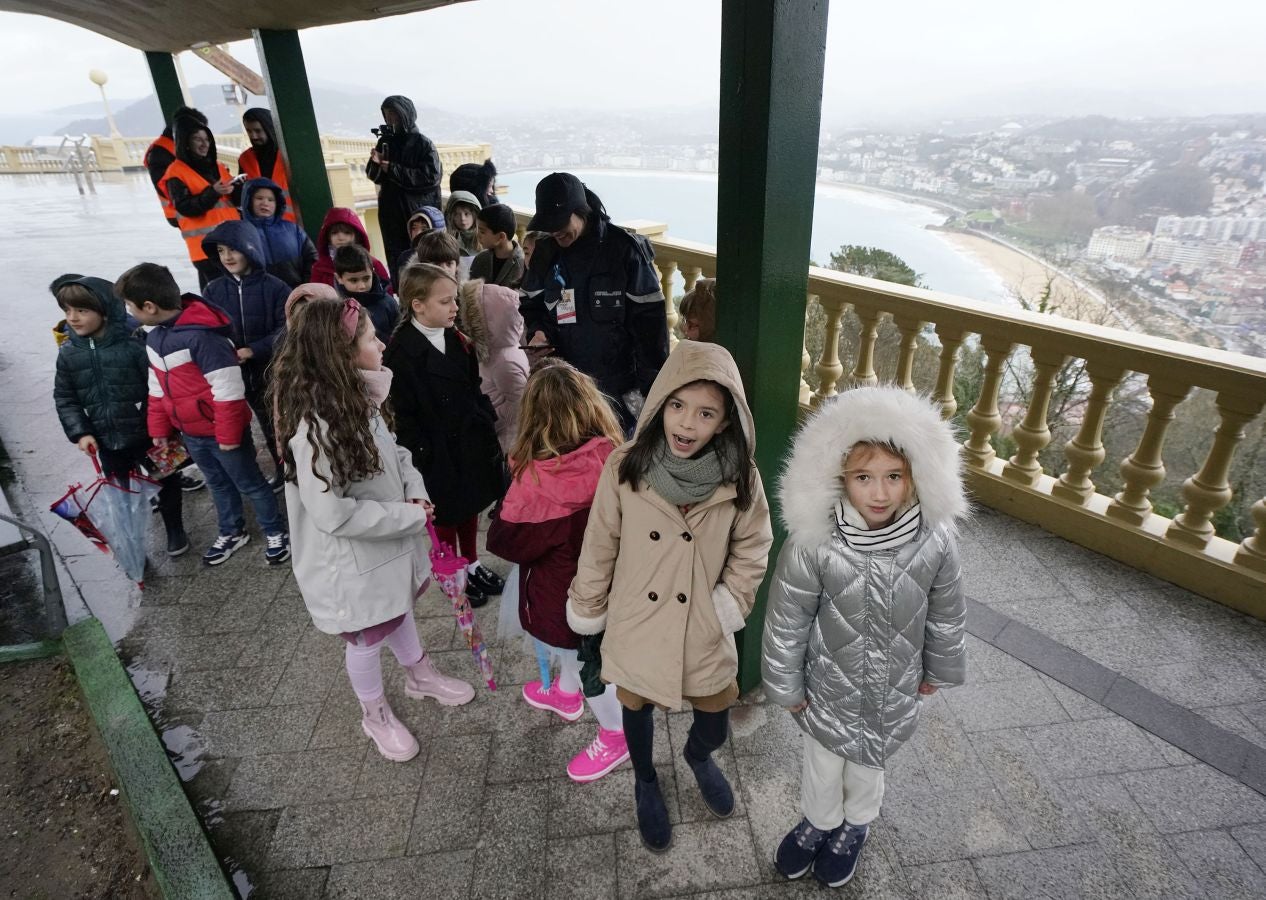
(687, 203)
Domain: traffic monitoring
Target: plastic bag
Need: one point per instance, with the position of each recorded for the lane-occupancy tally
(508, 625)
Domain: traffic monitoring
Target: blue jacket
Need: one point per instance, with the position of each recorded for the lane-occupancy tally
(101, 383)
(254, 304)
(288, 251)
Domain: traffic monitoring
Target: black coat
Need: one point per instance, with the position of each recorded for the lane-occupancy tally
(448, 424)
(409, 180)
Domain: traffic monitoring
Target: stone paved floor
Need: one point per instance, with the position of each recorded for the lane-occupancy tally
(1015, 786)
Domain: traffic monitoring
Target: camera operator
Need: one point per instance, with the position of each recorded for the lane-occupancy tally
(406, 167)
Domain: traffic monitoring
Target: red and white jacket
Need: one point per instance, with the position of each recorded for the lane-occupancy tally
(195, 382)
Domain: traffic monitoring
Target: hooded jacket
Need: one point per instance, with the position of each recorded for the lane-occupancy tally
(671, 588)
(195, 384)
(382, 308)
(408, 179)
(466, 240)
(265, 162)
(854, 632)
(189, 183)
(323, 267)
(620, 334)
(100, 384)
(479, 179)
(254, 303)
(541, 526)
(159, 155)
(288, 251)
(490, 314)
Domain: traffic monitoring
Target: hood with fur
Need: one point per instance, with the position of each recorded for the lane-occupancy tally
(490, 316)
(695, 361)
(810, 485)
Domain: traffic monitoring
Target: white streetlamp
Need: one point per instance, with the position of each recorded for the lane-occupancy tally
(100, 78)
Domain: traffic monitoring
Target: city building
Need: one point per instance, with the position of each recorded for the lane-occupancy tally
(1118, 243)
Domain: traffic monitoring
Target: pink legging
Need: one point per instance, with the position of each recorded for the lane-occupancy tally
(364, 668)
(466, 532)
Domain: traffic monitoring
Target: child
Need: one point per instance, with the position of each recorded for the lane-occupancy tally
(490, 317)
(340, 228)
(100, 389)
(438, 248)
(568, 431)
(866, 611)
(195, 385)
(460, 213)
(289, 253)
(443, 417)
(354, 271)
(501, 260)
(677, 543)
(699, 311)
(529, 245)
(255, 303)
(357, 509)
(427, 218)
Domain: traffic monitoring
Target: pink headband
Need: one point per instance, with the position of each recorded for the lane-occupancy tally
(351, 317)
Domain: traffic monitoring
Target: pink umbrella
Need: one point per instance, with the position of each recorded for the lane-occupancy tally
(449, 570)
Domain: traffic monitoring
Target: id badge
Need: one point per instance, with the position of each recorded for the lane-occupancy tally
(566, 308)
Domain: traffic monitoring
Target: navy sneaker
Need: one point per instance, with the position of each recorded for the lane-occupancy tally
(652, 816)
(717, 794)
(799, 849)
(837, 861)
(224, 547)
(277, 548)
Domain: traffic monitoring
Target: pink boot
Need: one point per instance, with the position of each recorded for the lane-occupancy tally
(570, 706)
(386, 731)
(421, 680)
(607, 752)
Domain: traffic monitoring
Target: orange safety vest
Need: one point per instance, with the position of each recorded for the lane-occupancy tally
(169, 145)
(248, 162)
(193, 230)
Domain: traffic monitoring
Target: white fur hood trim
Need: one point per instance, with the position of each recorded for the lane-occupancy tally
(810, 485)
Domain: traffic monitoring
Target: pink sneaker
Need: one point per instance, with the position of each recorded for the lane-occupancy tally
(386, 731)
(607, 752)
(422, 680)
(570, 706)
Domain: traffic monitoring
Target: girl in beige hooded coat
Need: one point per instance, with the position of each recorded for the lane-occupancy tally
(676, 546)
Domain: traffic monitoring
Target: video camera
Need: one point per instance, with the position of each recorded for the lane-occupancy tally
(384, 133)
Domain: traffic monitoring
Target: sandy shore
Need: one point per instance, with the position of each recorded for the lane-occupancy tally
(1028, 278)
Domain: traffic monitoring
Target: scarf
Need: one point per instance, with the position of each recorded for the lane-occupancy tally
(871, 540)
(684, 482)
(378, 384)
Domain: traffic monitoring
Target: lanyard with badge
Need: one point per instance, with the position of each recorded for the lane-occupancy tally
(565, 311)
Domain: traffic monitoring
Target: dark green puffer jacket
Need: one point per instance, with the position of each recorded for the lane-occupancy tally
(101, 384)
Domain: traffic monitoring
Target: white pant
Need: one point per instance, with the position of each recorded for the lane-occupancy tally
(833, 789)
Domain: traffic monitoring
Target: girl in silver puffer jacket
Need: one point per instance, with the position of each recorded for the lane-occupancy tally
(866, 611)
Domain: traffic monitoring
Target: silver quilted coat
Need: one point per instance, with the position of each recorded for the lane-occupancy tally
(855, 632)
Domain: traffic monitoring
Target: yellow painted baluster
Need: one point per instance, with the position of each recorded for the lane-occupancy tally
(666, 269)
(951, 340)
(1033, 434)
(1085, 451)
(909, 329)
(1144, 469)
(864, 370)
(1252, 552)
(829, 368)
(984, 419)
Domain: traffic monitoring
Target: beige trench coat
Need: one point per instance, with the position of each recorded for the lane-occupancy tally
(669, 588)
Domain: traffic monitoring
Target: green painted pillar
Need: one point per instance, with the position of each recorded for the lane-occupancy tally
(286, 78)
(772, 57)
(162, 69)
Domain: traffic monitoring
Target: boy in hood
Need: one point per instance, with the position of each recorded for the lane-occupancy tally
(255, 303)
(262, 159)
(289, 253)
(501, 260)
(341, 227)
(100, 390)
(196, 391)
(406, 167)
(354, 270)
(426, 219)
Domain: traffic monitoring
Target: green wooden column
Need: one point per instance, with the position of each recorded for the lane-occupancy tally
(772, 57)
(162, 69)
(286, 78)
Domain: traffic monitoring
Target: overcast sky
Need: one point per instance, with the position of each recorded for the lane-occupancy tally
(889, 60)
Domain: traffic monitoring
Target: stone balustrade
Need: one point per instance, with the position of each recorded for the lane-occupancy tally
(1184, 550)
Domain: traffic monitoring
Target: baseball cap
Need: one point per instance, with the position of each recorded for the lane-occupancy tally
(557, 197)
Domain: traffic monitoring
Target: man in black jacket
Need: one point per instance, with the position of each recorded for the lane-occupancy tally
(406, 167)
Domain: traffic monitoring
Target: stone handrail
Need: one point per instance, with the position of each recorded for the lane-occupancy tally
(1183, 550)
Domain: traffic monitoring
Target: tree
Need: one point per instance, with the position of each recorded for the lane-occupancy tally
(871, 262)
(1179, 190)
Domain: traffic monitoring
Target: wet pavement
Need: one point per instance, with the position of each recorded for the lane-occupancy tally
(1015, 786)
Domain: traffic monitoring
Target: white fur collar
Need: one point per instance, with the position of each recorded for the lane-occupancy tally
(810, 485)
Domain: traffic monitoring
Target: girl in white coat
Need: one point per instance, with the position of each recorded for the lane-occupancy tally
(357, 508)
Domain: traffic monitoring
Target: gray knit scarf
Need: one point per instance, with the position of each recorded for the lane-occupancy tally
(684, 482)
